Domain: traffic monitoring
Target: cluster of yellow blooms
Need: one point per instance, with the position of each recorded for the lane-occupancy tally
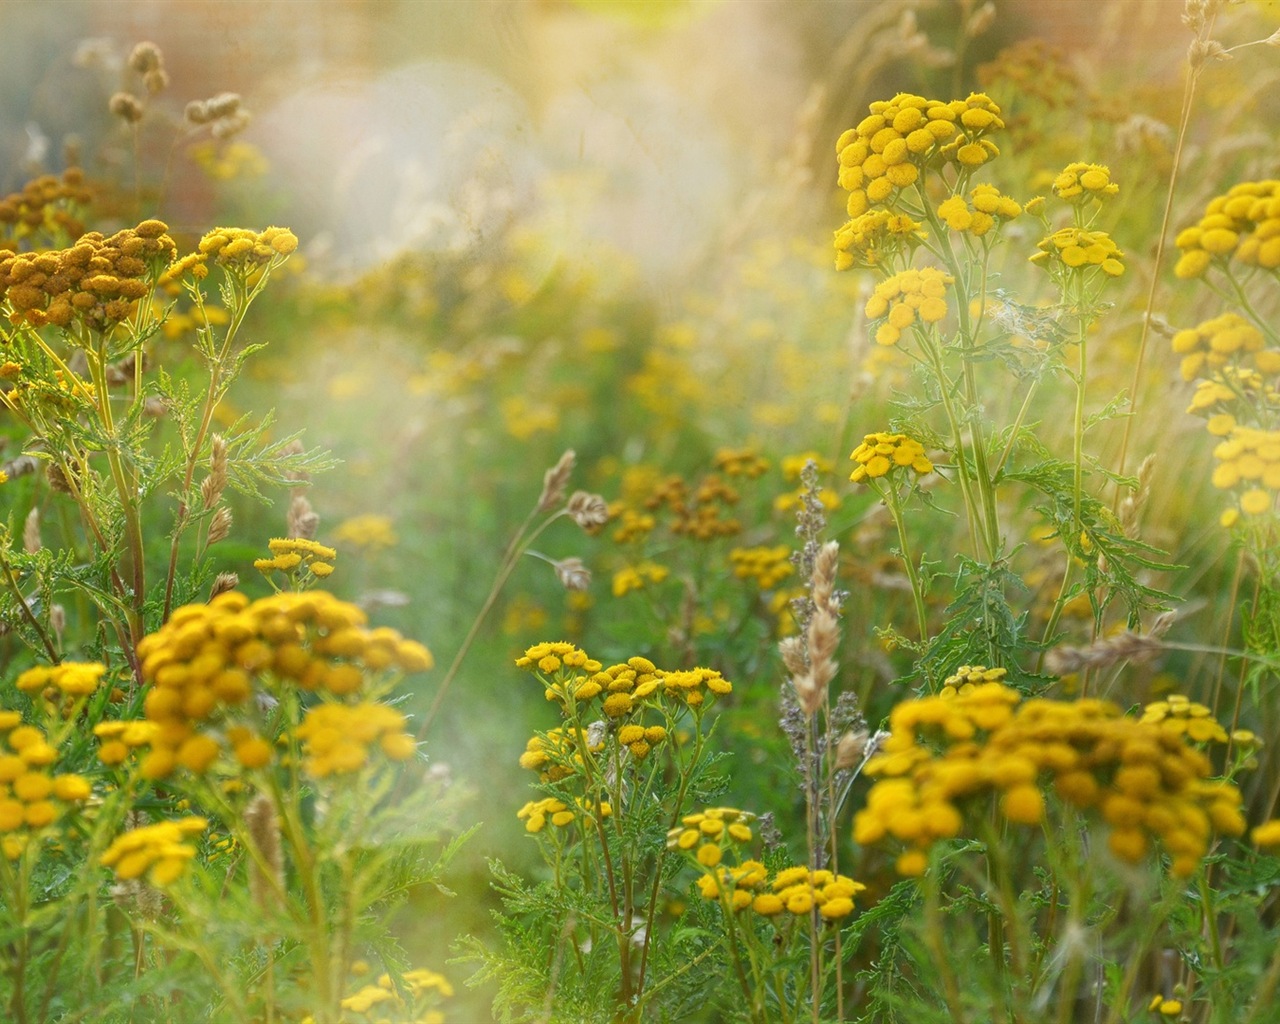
(160, 849)
(632, 525)
(420, 982)
(1248, 459)
(1186, 717)
(1215, 343)
(904, 298)
(70, 678)
(536, 813)
(875, 238)
(96, 281)
(768, 566)
(1230, 386)
(636, 577)
(1243, 225)
(555, 755)
(892, 145)
(1145, 780)
(966, 677)
(795, 890)
(980, 214)
(744, 462)
(42, 205)
(31, 798)
(337, 737)
(206, 657)
(879, 453)
(240, 249)
(296, 555)
(709, 831)
(1077, 248)
(1081, 182)
(367, 533)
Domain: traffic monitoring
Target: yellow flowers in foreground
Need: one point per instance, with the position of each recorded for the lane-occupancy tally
(881, 453)
(1144, 779)
(905, 298)
(1078, 249)
(1242, 226)
(161, 849)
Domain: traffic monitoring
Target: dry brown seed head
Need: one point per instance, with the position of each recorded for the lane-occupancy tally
(554, 482)
(303, 521)
(266, 871)
(793, 655)
(156, 80)
(220, 525)
(197, 112)
(145, 57)
(572, 573)
(850, 749)
(587, 510)
(224, 583)
(31, 542)
(126, 106)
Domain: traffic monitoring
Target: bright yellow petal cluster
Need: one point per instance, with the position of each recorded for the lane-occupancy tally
(555, 755)
(337, 738)
(1144, 780)
(161, 849)
(71, 678)
(1080, 182)
(986, 206)
(242, 249)
(1217, 342)
(890, 148)
(744, 462)
(881, 453)
(706, 835)
(1185, 717)
(1242, 225)
(1249, 462)
(367, 533)
(636, 577)
(208, 658)
(874, 238)
(1077, 249)
(30, 797)
(914, 294)
(966, 677)
(295, 555)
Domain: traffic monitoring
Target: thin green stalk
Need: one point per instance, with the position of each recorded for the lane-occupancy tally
(25, 608)
(917, 593)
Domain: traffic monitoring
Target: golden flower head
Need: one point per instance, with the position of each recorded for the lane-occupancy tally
(881, 453)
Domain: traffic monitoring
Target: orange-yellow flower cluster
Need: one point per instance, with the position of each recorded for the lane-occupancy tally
(744, 462)
(42, 205)
(967, 677)
(239, 249)
(880, 453)
(795, 891)
(536, 813)
(206, 658)
(97, 281)
(708, 833)
(161, 849)
(1145, 780)
(295, 556)
(1242, 225)
(71, 678)
(874, 238)
(1185, 717)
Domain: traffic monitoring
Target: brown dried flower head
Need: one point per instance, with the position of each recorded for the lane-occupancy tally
(590, 511)
(572, 573)
(554, 482)
(126, 106)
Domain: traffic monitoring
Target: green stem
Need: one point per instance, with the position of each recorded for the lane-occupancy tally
(890, 494)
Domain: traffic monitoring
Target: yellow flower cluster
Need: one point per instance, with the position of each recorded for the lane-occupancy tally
(337, 737)
(632, 525)
(641, 739)
(549, 657)
(96, 281)
(206, 657)
(118, 738)
(295, 556)
(874, 238)
(1249, 458)
(1228, 386)
(707, 833)
(1165, 1007)
(1267, 834)
(636, 577)
(966, 677)
(979, 215)
(692, 685)
(1081, 182)
(768, 566)
(904, 298)
(556, 755)
(160, 849)
(536, 813)
(71, 678)
(367, 533)
(1219, 341)
(1144, 780)
(42, 205)
(1243, 225)
(1185, 717)
(738, 884)
(797, 890)
(239, 249)
(890, 147)
(744, 462)
(31, 798)
(879, 453)
(1076, 248)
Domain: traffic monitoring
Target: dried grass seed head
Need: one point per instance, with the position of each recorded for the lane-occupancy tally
(555, 480)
